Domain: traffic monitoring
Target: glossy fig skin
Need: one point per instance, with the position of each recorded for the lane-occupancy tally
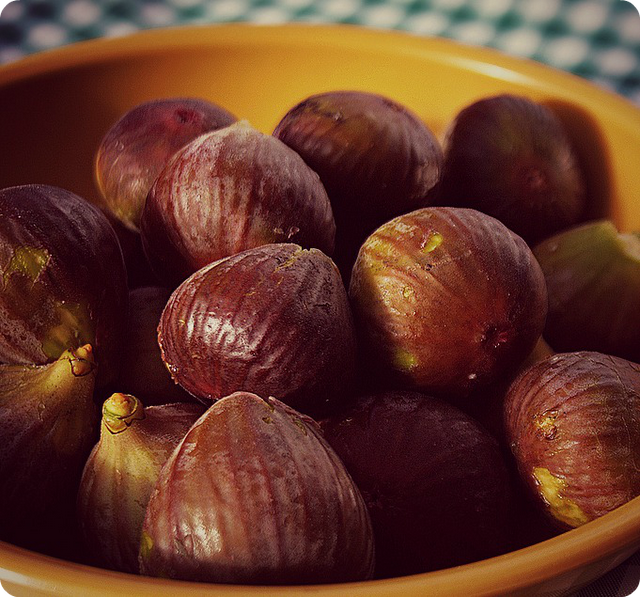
(254, 495)
(434, 480)
(274, 320)
(446, 300)
(593, 279)
(64, 279)
(136, 148)
(573, 423)
(227, 191)
(375, 157)
(121, 472)
(511, 158)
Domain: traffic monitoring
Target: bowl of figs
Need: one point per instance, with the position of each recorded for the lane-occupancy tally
(315, 310)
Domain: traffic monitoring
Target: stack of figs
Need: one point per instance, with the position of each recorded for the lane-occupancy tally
(345, 350)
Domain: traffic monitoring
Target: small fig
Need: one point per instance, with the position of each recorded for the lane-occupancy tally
(273, 320)
(230, 190)
(446, 300)
(593, 279)
(253, 494)
(573, 423)
(121, 473)
(511, 158)
(137, 147)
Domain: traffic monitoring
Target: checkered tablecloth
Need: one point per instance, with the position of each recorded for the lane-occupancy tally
(596, 39)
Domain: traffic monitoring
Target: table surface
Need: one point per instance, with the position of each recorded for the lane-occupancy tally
(596, 39)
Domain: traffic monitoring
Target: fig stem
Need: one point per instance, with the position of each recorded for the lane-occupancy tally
(119, 411)
(82, 360)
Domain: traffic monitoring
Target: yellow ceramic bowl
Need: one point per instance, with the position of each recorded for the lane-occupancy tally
(55, 107)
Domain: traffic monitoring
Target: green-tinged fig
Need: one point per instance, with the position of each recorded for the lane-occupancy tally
(446, 300)
(48, 422)
(375, 157)
(254, 495)
(121, 473)
(433, 479)
(511, 158)
(573, 423)
(230, 190)
(63, 281)
(592, 273)
(274, 320)
(137, 147)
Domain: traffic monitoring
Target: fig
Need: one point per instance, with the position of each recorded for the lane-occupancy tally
(121, 472)
(573, 424)
(592, 273)
(253, 494)
(47, 425)
(227, 191)
(510, 157)
(375, 157)
(274, 320)
(446, 300)
(64, 283)
(137, 147)
(434, 481)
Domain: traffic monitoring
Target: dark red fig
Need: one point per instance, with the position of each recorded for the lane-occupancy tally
(141, 142)
(511, 158)
(447, 300)
(573, 423)
(374, 156)
(273, 320)
(433, 479)
(255, 495)
(230, 190)
(63, 279)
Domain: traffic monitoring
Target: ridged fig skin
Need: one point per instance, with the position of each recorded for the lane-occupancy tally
(140, 143)
(274, 320)
(510, 157)
(121, 472)
(573, 424)
(64, 279)
(227, 191)
(433, 479)
(254, 495)
(376, 158)
(446, 300)
(592, 273)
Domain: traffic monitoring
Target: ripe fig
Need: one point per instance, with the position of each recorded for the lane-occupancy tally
(121, 473)
(230, 190)
(253, 494)
(511, 158)
(137, 147)
(375, 157)
(573, 423)
(433, 479)
(446, 300)
(47, 424)
(593, 279)
(63, 279)
(274, 320)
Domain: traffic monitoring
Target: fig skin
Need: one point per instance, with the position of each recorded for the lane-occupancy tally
(447, 301)
(592, 274)
(121, 472)
(48, 422)
(510, 157)
(573, 423)
(136, 148)
(64, 280)
(375, 157)
(227, 191)
(274, 320)
(433, 479)
(254, 495)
